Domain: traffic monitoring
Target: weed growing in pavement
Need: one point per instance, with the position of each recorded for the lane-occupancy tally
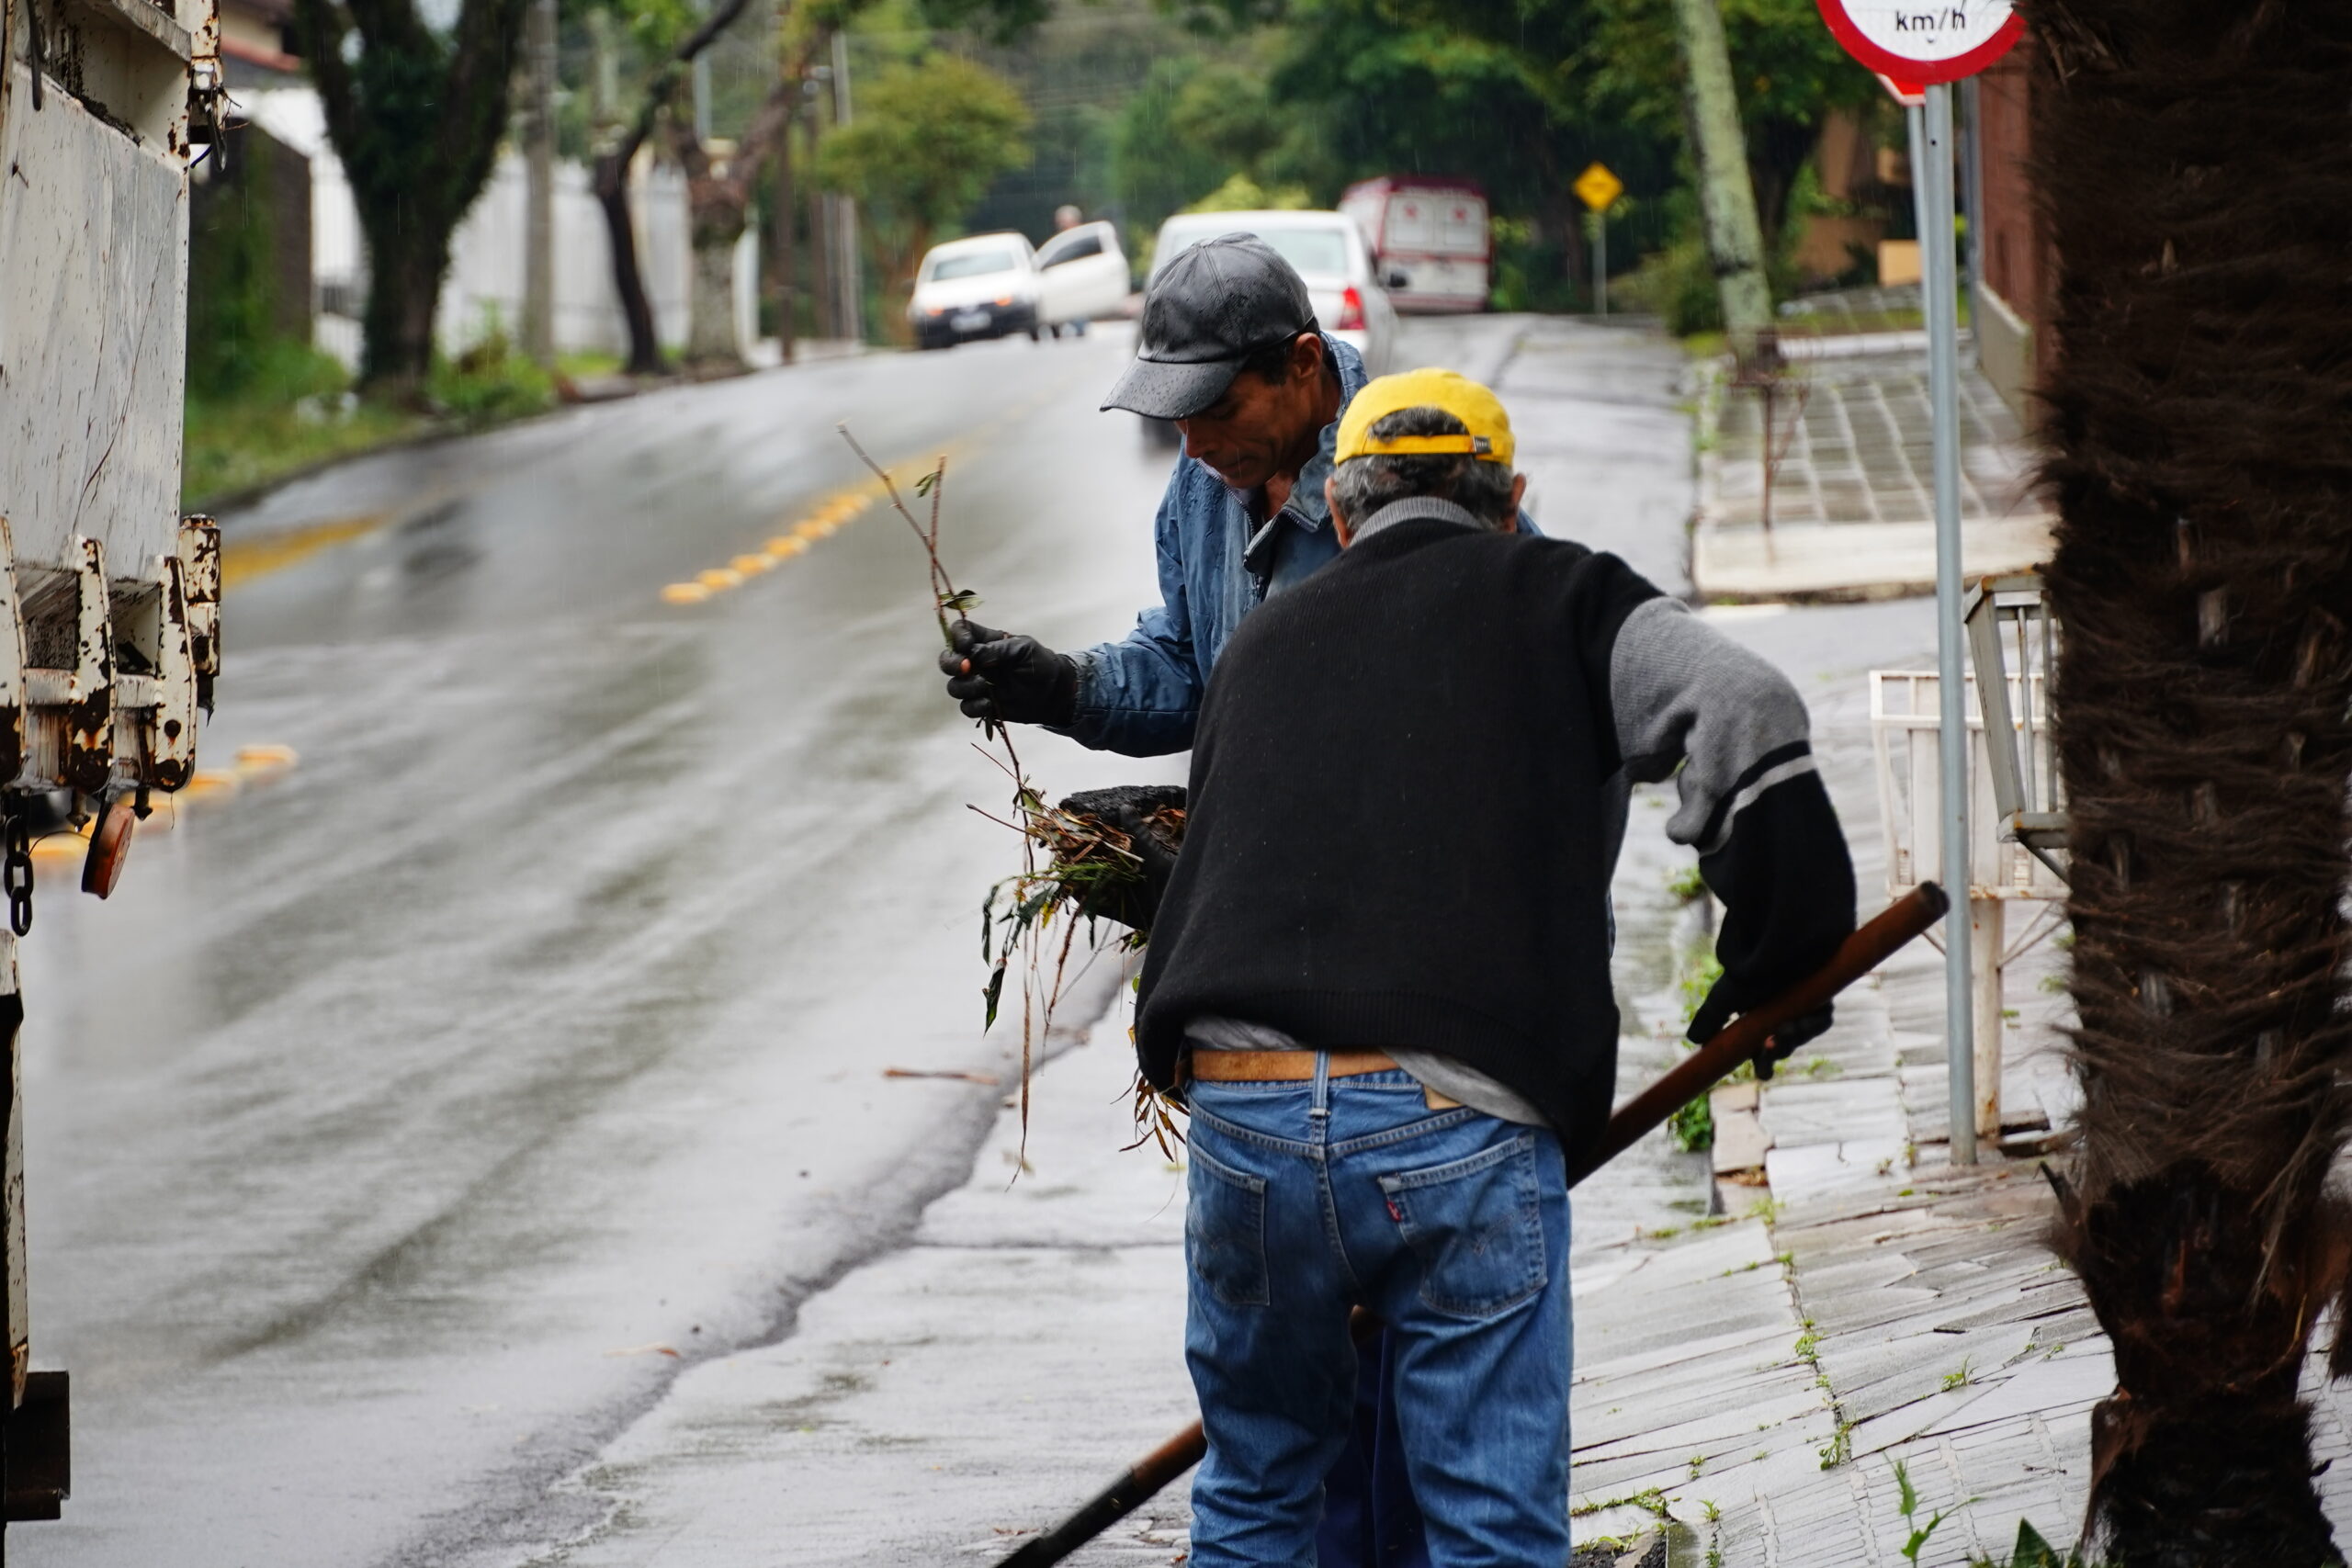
(2032, 1552)
(1960, 1377)
(1840, 1448)
(1065, 855)
(1910, 1506)
(1687, 884)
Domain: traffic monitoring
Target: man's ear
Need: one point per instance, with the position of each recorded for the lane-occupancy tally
(1339, 520)
(1307, 356)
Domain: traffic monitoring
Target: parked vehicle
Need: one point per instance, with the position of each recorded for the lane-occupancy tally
(1430, 239)
(984, 287)
(991, 286)
(1330, 254)
(109, 600)
(1081, 274)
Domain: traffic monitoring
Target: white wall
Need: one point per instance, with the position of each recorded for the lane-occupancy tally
(485, 282)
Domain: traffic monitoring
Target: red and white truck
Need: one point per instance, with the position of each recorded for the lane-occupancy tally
(1429, 238)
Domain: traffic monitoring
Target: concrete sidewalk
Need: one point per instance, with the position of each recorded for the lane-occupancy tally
(1852, 511)
(1757, 1382)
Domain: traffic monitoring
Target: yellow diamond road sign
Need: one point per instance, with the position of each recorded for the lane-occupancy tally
(1599, 187)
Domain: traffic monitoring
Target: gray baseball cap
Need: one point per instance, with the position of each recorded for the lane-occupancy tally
(1211, 307)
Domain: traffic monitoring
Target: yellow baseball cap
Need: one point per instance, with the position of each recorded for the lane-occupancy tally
(1480, 411)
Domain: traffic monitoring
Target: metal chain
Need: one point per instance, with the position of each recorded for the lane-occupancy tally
(16, 876)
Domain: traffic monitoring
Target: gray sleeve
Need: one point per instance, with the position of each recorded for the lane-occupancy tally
(1682, 693)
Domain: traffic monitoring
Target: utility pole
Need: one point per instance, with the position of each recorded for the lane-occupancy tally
(538, 196)
(1727, 195)
(783, 241)
(823, 307)
(845, 269)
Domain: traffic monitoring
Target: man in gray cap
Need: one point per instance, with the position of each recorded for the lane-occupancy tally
(1231, 352)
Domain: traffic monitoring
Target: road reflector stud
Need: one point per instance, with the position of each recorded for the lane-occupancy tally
(786, 546)
(255, 763)
(752, 565)
(718, 577)
(208, 783)
(684, 594)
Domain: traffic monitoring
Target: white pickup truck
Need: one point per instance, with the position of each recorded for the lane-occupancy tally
(109, 599)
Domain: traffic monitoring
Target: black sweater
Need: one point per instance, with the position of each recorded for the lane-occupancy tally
(1408, 794)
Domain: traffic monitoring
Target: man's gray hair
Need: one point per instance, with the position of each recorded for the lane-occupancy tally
(1363, 485)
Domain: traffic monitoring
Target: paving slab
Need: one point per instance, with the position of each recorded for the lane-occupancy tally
(1827, 490)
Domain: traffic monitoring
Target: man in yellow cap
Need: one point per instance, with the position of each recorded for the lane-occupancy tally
(1379, 973)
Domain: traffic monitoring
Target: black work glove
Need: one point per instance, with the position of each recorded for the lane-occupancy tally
(1130, 902)
(1016, 679)
(1725, 1000)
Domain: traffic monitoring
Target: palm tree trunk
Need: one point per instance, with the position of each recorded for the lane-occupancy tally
(2200, 206)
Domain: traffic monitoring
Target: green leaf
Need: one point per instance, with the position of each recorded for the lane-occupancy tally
(994, 991)
(988, 913)
(1910, 1504)
(2032, 1552)
(928, 483)
(963, 601)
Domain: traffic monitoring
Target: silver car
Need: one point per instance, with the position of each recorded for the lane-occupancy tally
(1330, 252)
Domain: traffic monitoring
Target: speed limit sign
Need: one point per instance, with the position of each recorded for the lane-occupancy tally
(1917, 42)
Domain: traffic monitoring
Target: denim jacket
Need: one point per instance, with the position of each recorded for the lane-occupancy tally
(1140, 695)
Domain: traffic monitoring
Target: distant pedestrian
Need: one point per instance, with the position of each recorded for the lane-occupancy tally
(1380, 972)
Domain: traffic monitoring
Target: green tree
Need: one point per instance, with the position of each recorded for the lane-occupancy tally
(1788, 69)
(673, 35)
(415, 113)
(927, 139)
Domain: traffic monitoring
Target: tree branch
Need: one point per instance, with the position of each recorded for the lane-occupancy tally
(393, 23)
(322, 26)
(482, 71)
(765, 133)
(664, 83)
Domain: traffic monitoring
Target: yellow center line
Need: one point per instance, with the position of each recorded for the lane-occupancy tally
(247, 560)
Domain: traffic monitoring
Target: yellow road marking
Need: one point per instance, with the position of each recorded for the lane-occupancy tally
(247, 560)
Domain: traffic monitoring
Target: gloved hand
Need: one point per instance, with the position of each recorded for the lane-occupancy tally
(1128, 809)
(1017, 680)
(1724, 1001)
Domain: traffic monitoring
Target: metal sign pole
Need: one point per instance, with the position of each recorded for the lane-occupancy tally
(1931, 169)
(1600, 262)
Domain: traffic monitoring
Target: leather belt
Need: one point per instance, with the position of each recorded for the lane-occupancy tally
(1282, 1067)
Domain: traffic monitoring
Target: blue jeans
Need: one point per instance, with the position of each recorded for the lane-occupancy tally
(1452, 1227)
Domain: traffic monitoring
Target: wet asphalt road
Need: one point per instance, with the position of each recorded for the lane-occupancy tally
(406, 1124)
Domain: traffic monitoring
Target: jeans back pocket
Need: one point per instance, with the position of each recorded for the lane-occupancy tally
(1225, 1229)
(1476, 1225)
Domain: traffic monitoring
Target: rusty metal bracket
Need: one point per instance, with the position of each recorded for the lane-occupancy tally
(201, 580)
(89, 696)
(170, 724)
(12, 662)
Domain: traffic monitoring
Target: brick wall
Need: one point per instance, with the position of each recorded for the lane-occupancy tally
(2017, 266)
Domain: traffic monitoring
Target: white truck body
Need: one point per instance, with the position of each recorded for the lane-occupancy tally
(104, 635)
(1431, 239)
(108, 599)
